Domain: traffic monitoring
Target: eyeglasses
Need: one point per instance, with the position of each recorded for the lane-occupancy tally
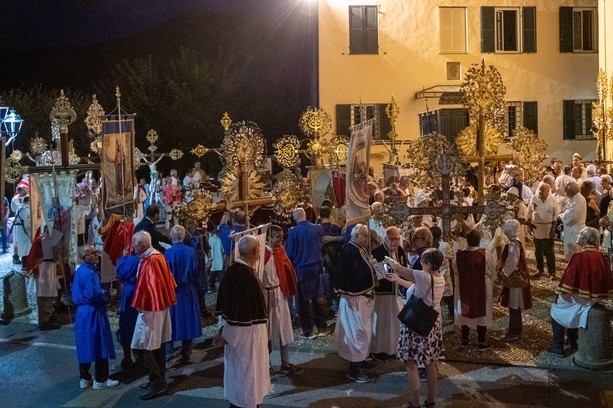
(393, 238)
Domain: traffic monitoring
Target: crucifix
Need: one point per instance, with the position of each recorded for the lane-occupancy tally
(445, 165)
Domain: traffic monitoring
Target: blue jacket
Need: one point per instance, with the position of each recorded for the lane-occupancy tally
(156, 236)
(93, 336)
(303, 245)
(127, 268)
(185, 315)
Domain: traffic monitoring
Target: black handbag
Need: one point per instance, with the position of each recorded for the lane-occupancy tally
(417, 315)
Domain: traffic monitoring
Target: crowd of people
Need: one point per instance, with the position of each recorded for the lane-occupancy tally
(326, 276)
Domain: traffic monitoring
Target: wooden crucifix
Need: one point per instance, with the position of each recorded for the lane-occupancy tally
(401, 211)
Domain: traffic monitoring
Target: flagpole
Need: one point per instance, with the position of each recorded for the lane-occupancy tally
(123, 172)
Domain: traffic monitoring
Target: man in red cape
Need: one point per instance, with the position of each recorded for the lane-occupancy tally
(586, 280)
(155, 292)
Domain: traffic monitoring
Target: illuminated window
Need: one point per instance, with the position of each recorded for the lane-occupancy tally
(452, 30)
(363, 30)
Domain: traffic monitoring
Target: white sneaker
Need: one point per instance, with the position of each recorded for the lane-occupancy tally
(85, 383)
(106, 384)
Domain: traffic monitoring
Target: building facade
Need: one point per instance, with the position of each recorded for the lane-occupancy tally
(418, 51)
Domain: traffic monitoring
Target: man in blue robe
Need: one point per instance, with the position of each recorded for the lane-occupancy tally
(93, 336)
(303, 248)
(127, 269)
(185, 315)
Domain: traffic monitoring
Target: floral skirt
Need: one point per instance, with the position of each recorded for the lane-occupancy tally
(420, 349)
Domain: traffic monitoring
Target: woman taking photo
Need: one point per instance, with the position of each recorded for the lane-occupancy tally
(413, 348)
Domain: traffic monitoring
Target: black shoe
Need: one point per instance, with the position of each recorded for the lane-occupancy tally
(422, 374)
(378, 357)
(556, 351)
(465, 343)
(484, 346)
(539, 274)
(146, 385)
(49, 326)
(153, 391)
(16, 260)
(553, 277)
(368, 365)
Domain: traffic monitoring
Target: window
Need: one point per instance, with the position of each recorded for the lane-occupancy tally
(577, 119)
(363, 30)
(349, 115)
(508, 29)
(578, 30)
(521, 114)
(452, 30)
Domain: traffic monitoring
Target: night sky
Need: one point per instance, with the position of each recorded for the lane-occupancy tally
(73, 44)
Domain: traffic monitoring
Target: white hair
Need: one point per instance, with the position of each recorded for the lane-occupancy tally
(591, 170)
(299, 214)
(588, 236)
(177, 233)
(511, 228)
(142, 237)
(358, 229)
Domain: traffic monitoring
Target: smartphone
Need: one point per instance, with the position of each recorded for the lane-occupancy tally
(387, 268)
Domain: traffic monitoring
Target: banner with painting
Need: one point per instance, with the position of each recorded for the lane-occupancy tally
(117, 163)
(54, 193)
(358, 208)
(259, 233)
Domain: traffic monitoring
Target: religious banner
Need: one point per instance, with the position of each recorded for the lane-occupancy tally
(358, 209)
(322, 187)
(117, 163)
(260, 234)
(36, 210)
(339, 182)
(56, 193)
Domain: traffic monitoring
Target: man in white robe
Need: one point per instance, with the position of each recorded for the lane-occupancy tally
(573, 216)
(154, 294)
(242, 319)
(47, 282)
(21, 230)
(279, 282)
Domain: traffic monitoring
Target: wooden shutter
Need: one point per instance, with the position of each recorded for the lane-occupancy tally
(568, 120)
(460, 122)
(343, 119)
(528, 29)
(530, 119)
(371, 30)
(385, 126)
(488, 25)
(453, 29)
(356, 30)
(566, 29)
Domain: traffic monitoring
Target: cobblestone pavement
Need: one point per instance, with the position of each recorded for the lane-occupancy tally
(519, 374)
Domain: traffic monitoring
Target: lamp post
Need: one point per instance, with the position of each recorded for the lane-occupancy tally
(12, 125)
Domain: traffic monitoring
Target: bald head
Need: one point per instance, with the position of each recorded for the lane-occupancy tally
(249, 249)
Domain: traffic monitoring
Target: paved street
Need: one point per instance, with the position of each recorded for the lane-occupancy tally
(39, 369)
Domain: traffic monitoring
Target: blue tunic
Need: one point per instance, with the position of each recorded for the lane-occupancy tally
(127, 267)
(93, 336)
(185, 315)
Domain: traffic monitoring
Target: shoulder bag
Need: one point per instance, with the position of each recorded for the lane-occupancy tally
(417, 315)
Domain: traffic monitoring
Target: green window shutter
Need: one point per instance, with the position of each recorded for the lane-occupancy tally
(528, 29)
(343, 119)
(568, 120)
(371, 30)
(566, 29)
(385, 126)
(530, 119)
(356, 30)
(488, 40)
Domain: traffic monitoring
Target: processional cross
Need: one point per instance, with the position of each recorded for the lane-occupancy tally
(445, 165)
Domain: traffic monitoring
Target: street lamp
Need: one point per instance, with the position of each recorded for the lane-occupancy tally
(12, 125)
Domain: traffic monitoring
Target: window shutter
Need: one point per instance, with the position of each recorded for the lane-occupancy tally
(529, 29)
(566, 29)
(530, 119)
(568, 120)
(446, 29)
(343, 119)
(371, 30)
(488, 42)
(385, 126)
(356, 30)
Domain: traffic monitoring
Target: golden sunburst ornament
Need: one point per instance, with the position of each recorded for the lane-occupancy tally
(530, 152)
(243, 144)
(288, 192)
(314, 122)
(38, 145)
(92, 120)
(230, 185)
(466, 140)
(286, 151)
(175, 154)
